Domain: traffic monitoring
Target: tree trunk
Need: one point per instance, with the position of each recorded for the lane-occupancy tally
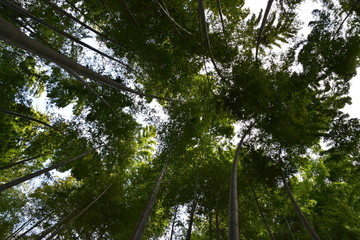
(12, 235)
(217, 220)
(173, 223)
(34, 226)
(53, 227)
(206, 37)
(24, 116)
(88, 86)
(233, 229)
(210, 224)
(171, 18)
(300, 214)
(262, 27)
(52, 236)
(290, 230)
(60, 10)
(191, 219)
(5, 186)
(20, 162)
(72, 38)
(261, 212)
(12, 35)
(141, 225)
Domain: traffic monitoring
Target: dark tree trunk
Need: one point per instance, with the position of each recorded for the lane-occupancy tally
(53, 227)
(34, 226)
(12, 235)
(217, 220)
(12, 35)
(20, 162)
(62, 226)
(24, 116)
(5, 186)
(210, 224)
(173, 223)
(300, 214)
(191, 219)
(28, 14)
(262, 27)
(60, 10)
(141, 225)
(290, 230)
(261, 213)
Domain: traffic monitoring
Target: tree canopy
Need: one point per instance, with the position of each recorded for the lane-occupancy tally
(186, 120)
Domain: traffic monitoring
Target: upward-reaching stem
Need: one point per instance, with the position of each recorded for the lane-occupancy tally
(262, 27)
(141, 225)
(11, 34)
(59, 9)
(28, 14)
(52, 236)
(5, 186)
(300, 214)
(25, 117)
(20, 162)
(233, 231)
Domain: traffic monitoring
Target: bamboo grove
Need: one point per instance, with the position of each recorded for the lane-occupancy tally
(185, 120)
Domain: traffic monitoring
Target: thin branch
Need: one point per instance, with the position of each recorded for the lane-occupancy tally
(20, 162)
(13, 183)
(52, 236)
(11, 34)
(262, 27)
(25, 117)
(347, 16)
(206, 37)
(132, 15)
(88, 86)
(28, 14)
(60, 10)
(261, 212)
(171, 18)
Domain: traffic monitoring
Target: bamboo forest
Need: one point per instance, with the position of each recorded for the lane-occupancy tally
(179, 119)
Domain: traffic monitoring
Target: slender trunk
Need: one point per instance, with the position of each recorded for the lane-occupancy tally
(191, 219)
(173, 223)
(5, 186)
(343, 21)
(233, 229)
(300, 214)
(11, 34)
(262, 27)
(28, 14)
(60, 10)
(25, 117)
(12, 235)
(206, 37)
(169, 16)
(290, 230)
(222, 22)
(141, 225)
(34, 226)
(88, 86)
(132, 15)
(20, 162)
(261, 212)
(210, 224)
(52, 236)
(217, 220)
(53, 227)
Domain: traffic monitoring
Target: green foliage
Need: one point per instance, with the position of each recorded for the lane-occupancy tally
(292, 101)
